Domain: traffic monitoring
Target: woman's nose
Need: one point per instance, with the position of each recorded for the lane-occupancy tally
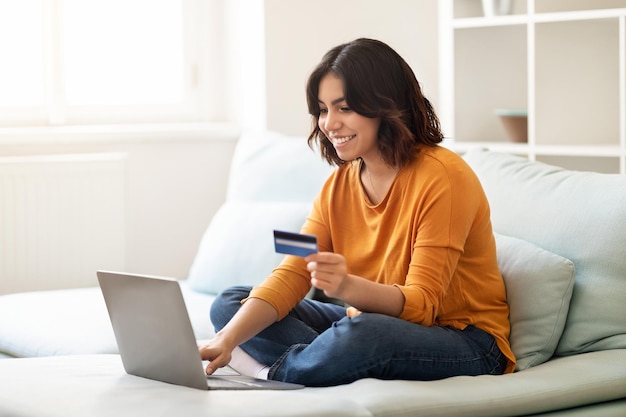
(331, 121)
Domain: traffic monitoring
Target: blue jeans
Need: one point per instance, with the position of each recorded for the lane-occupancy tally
(316, 344)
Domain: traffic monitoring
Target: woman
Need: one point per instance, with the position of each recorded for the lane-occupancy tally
(405, 240)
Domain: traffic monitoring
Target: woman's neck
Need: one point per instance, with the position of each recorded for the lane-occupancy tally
(376, 179)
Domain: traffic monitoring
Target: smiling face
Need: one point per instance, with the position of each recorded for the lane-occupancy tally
(352, 134)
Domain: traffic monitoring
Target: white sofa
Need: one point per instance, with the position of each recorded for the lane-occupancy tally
(561, 239)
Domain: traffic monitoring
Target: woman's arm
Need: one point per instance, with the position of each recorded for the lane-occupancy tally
(253, 317)
(329, 274)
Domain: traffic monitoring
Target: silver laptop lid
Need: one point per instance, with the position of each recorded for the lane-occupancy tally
(152, 328)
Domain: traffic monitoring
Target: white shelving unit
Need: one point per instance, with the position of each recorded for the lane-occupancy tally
(532, 29)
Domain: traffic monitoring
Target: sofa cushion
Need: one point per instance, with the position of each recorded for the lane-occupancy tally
(559, 384)
(270, 166)
(539, 288)
(273, 181)
(238, 246)
(74, 321)
(97, 386)
(578, 215)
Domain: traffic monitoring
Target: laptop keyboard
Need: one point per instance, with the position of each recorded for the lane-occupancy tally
(229, 382)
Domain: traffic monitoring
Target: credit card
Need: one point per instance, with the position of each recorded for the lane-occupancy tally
(294, 243)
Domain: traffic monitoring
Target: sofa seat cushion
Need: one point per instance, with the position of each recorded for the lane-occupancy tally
(96, 385)
(75, 321)
(578, 215)
(539, 288)
(554, 385)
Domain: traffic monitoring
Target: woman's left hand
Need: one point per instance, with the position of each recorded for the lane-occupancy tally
(329, 273)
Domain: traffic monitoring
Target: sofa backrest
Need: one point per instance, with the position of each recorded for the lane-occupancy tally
(578, 215)
(270, 166)
(273, 181)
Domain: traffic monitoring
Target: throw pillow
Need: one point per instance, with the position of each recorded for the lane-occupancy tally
(238, 246)
(270, 166)
(539, 287)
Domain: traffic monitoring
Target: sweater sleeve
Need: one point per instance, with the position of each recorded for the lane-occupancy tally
(445, 215)
(290, 281)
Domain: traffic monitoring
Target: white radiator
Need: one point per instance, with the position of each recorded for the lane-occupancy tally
(62, 217)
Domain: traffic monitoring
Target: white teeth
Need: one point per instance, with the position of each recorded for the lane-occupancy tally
(343, 139)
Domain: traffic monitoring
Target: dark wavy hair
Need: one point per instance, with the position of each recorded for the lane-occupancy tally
(377, 82)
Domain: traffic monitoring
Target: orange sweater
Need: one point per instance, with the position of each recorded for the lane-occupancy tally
(430, 236)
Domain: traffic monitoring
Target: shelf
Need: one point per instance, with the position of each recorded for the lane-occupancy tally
(578, 15)
(484, 22)
(506, 147)
(522, 19)
(571, 78)
(604, 151)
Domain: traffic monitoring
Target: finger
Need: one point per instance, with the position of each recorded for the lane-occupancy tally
(319, 284)
(312, 257)
(205, 353)
(326, 267)
(329, 258)
(210, 368)
(320, 278)
(352, 312)
(217, 363)
(324, 283)
(324, 257)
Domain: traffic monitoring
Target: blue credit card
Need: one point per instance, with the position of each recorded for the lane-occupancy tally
(294, 243)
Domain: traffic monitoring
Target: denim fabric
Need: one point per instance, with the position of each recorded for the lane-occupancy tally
(318, 345)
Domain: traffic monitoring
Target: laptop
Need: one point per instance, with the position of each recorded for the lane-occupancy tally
(155, 338)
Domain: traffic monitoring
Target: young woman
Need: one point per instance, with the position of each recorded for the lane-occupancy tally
(405, 239)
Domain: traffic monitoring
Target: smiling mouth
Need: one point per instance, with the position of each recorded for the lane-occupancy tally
(344, 139)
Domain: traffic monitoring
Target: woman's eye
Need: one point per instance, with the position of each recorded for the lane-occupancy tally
(323, 111)
(346, 109)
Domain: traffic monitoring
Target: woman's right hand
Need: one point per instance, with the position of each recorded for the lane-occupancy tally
(217, 352)
(253, 316)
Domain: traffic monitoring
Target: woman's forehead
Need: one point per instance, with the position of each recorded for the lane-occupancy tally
(330, 89)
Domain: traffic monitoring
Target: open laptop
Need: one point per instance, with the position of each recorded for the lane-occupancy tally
(155, 338)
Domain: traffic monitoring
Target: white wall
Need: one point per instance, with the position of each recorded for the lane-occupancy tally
(299, 32)
(244, 57)
(176, 182)
(268, 49)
